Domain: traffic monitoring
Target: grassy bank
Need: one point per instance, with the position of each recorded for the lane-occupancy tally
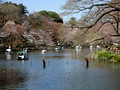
(105, 55)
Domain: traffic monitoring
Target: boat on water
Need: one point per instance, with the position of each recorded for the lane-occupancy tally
(9, 51)
(58, 48)
(44, 51)
(78, 47)
(25, 49)
(22, 55)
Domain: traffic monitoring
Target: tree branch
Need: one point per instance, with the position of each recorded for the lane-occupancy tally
(96, 39)
(90, 26)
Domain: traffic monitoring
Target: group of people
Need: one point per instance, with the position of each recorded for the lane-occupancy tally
(112, 48)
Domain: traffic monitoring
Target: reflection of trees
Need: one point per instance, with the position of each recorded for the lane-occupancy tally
(76, 54)
(59, 56)
(10, 78)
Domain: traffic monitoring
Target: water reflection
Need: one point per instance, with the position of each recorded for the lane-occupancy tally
(64, 70)
(92, 50)
(78, 52)
(11, 78)
(8, 56)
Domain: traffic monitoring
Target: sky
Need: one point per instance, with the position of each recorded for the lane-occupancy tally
(39, 5)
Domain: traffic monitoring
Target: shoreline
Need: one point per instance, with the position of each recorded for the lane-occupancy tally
(105, 56)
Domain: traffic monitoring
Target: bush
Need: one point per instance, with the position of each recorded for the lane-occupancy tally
(107, 55)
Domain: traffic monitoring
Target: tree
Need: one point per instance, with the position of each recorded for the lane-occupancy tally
(72, 22)
(8, 12)
(11, 11)
(95, 12)
(43, 12)
(23, 9)
(35, 20)
(55, 17)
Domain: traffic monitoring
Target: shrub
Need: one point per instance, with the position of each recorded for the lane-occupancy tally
(107, 55)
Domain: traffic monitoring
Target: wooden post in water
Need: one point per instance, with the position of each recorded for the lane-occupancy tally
(31, 62)
(12, 63)
(67, 62)
(87, 61)
(44, 63)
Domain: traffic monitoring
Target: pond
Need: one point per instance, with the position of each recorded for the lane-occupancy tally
(64, 70)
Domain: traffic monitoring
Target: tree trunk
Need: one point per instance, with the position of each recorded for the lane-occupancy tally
(118, 28)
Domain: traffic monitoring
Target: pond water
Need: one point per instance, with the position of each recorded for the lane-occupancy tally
(64, 70)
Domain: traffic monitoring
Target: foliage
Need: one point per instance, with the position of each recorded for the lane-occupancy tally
(45, 27)
(35, 20)
(13, 34)
(42, 19)
(23, 9)
(43, 12)
(52, 15)
(55, 16)
(72, 22)
(9, 12)
(56, 27)
(38, 29)
(107, 55)
(13, 12)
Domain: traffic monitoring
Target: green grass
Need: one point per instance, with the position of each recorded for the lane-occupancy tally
(107, 55)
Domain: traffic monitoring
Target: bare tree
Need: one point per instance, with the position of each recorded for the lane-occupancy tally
(94, 11)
